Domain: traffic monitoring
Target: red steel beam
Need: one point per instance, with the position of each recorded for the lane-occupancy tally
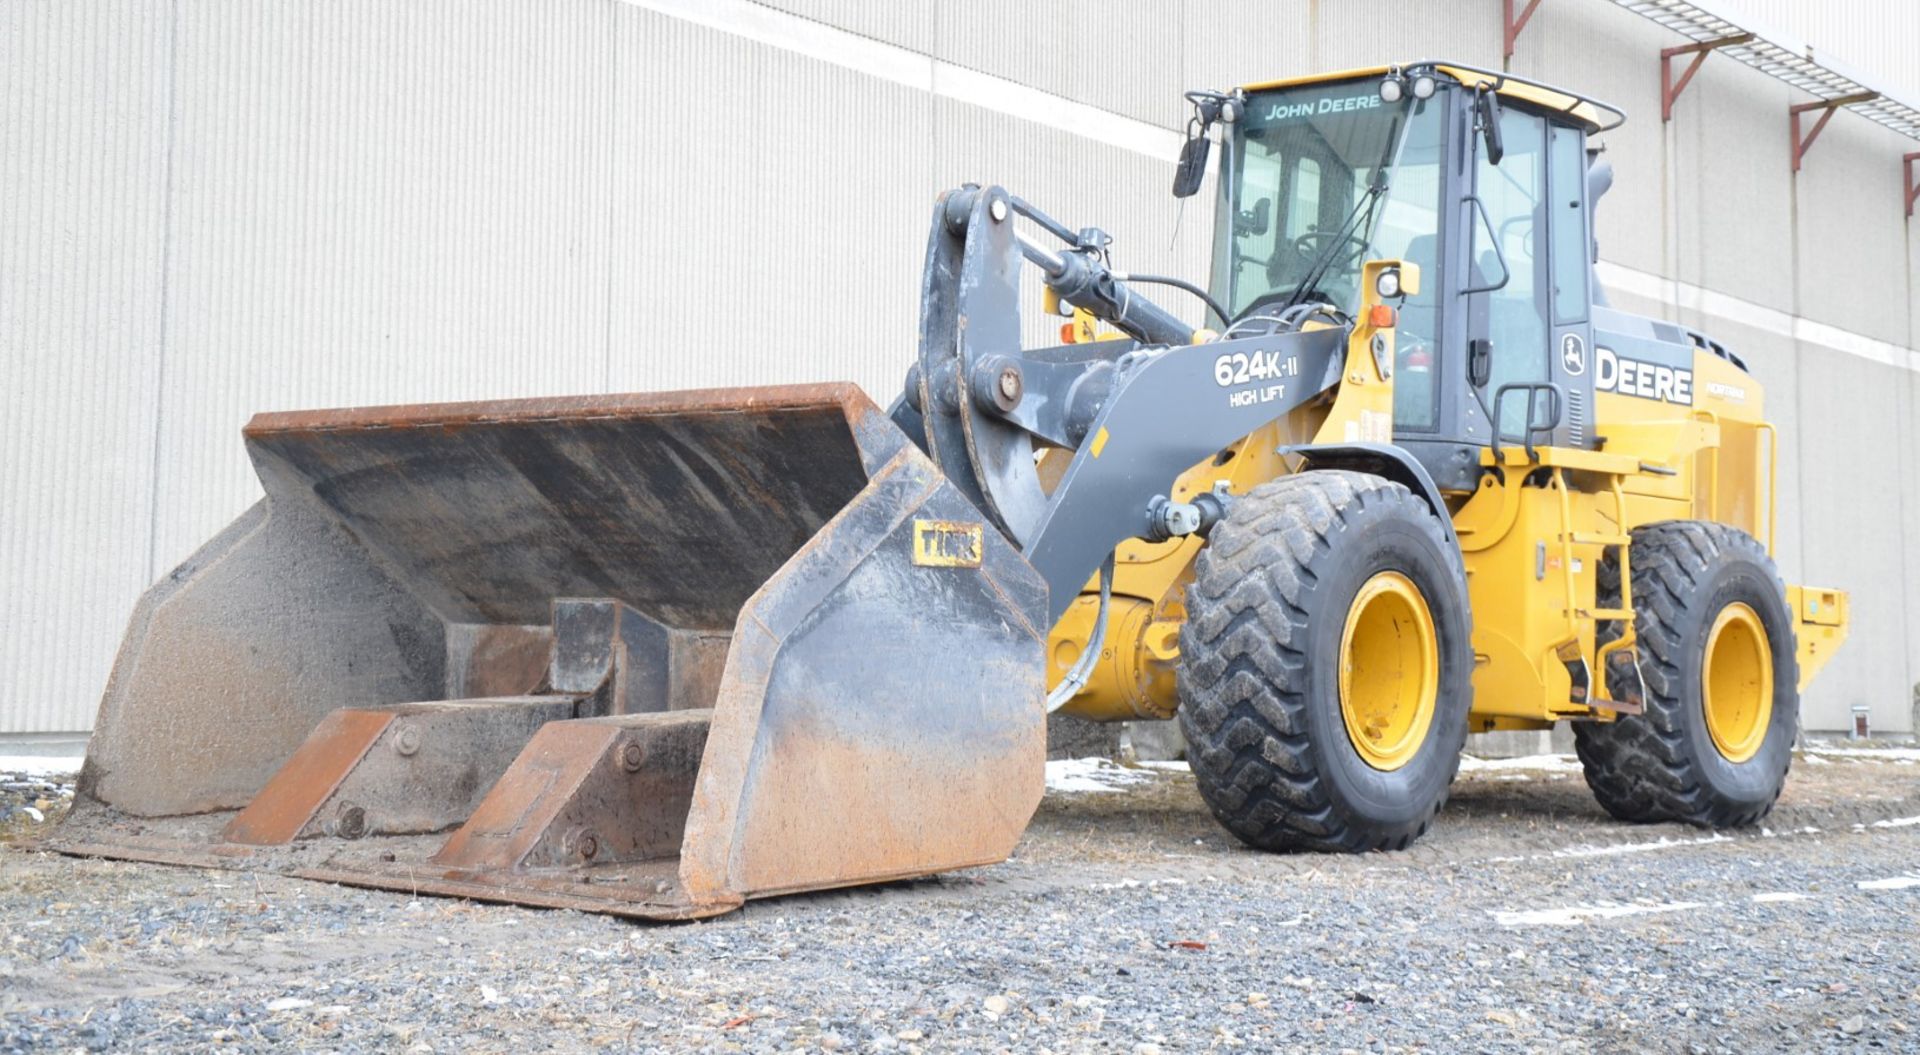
(1913, 189)
(1515, 25)
(1830, 106)
(1670, 89)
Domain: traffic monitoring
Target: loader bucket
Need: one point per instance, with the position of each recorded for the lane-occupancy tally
(644, 654)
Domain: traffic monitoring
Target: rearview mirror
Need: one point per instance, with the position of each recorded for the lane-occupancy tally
(1193, 166)
(1488, 106)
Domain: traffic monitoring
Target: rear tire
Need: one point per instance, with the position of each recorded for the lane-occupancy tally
(1326, 665)
(1716, 758)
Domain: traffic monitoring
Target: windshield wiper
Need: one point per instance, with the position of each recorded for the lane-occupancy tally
(1360, 217)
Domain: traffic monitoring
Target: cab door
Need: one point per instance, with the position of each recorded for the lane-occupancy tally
(1507, 271)
(1569, 281)
(1529, 269)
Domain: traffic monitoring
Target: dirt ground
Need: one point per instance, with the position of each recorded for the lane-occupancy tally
(1526, 921)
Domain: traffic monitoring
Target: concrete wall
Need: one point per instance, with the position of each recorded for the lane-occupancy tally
(210, 208)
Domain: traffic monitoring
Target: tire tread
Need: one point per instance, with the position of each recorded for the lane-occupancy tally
(1640, 767)
(1242, 676)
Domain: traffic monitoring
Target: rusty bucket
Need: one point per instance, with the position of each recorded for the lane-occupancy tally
(644, 654)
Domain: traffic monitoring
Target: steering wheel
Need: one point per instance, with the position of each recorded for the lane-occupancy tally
(1313, 243)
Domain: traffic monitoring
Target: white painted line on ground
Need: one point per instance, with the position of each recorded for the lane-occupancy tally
(1878, 754)
(1574, 915)
(1662, 843)
(1778, 896)
(1896, 883)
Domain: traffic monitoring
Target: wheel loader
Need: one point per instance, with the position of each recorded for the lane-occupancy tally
(657, 654)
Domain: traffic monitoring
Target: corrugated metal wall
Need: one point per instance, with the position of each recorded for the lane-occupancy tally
(84, 105)
(210, 208)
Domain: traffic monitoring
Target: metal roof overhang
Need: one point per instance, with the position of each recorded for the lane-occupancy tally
(1784, 58)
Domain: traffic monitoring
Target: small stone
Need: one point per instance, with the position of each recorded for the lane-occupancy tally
(288, 1003)
(1145, 1048)
(997, 1004)
(1853, 1024)
(909, 1035)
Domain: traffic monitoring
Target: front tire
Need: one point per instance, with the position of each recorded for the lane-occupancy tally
(1326, 665)
(1723, 705)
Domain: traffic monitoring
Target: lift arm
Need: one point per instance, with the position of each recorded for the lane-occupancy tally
(1135, 413)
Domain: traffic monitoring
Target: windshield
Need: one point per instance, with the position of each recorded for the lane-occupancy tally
(1306, 189)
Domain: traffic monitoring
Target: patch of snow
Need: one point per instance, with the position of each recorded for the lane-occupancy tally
(1076, 775)
(1574, 915)
(1542, 763)
(1896, 883)
(1167, 766)
(40, 765)
(1774, 896)
(1662, 843)
(1897, 822)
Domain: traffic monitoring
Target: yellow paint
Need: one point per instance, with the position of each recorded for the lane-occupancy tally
(948, 543)
(1389, 671)
(1133, 679)
(1362, 408)
(1736, 684)
(1532, 585)
(1099, 442)
(1820, 618)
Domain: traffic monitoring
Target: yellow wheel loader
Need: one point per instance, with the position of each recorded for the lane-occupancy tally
(658, 654)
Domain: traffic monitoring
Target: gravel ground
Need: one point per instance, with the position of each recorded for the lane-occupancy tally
(1527, 921)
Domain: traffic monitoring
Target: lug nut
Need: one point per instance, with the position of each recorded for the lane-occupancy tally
(631, 757)
(352, 823)
(407, 741)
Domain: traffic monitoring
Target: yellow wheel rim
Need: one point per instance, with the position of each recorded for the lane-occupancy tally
(1389, 671)
(1736, 683)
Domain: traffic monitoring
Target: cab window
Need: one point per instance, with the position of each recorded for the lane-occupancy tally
(1514, 196)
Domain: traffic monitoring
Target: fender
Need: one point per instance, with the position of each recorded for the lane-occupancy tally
(1379, 459)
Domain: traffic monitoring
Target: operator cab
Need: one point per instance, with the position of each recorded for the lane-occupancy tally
(1479, 179)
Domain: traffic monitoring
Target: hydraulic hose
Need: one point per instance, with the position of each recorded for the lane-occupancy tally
(1076, 678)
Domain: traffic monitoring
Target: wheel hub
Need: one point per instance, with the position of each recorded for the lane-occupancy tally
(1736, 683)
(1389, 670)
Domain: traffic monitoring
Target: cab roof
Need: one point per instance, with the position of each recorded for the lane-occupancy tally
(1596, 115)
